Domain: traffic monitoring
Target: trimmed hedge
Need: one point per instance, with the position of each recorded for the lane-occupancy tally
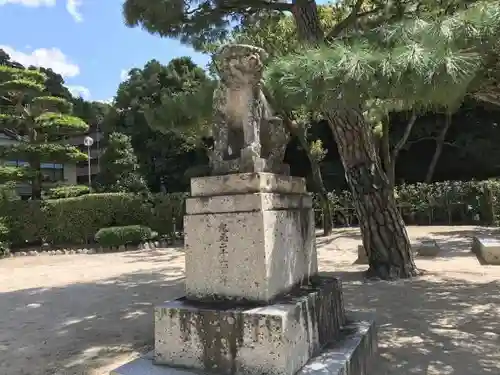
(68, 191)
(77, 220)
(117, 236)
(445, 203)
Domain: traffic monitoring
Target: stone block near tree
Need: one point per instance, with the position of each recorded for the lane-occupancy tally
(426, 248)
(487, 249)
(255, 303)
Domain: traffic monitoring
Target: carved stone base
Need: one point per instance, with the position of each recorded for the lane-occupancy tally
(256, 165)
(353, 353)
(230, 339)
(254, 233)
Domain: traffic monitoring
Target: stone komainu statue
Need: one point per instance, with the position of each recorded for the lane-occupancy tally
(247, 136)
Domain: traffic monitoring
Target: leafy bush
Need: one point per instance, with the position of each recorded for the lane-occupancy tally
(117, 236)
(4, 234)
(446, 202)
(77, 220)
(68, 191)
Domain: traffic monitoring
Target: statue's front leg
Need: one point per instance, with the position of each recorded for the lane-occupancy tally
(221, 139)
(251, 134)
(279, 139)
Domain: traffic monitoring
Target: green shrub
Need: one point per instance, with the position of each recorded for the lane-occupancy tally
(75, 221)
(4, 234)
(69, 191)
(445, 203)
(117, 236)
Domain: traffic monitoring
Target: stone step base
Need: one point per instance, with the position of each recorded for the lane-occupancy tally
(247, 339)
(352, 354)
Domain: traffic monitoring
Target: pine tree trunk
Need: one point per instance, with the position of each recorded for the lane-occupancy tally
(36, 181)
(317, 177)
(389, 163)
(439, 149)
(383, 231)
(384, 234)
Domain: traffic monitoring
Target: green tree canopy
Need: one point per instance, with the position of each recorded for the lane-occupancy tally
(144, 109)
(119, 170)
(39, 120)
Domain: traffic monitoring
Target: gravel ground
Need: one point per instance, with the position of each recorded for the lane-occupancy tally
(87, 314)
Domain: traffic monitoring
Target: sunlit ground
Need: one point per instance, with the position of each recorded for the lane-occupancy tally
(87, 314)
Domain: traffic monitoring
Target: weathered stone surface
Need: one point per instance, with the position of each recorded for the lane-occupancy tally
(247, 136)
(488, 249)
(426, 248)
(351, 355)
(271, 339)
(247, 183)
(362, 257)
(247, 203)
(255, 254)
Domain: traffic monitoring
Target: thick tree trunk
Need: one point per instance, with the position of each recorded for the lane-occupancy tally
(439, 149)
(384, 234)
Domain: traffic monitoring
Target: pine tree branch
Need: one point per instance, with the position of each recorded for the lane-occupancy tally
(346, 22)
(399, 146)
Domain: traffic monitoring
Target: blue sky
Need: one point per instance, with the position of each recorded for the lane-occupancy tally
(85, 41)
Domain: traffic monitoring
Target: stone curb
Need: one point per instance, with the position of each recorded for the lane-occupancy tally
(92, 250)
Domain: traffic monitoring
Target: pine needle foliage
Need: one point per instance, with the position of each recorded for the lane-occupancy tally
(413, 63)
(39, 121)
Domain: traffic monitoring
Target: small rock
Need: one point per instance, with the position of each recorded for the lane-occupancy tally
(152, 245)
(362, 257)
(157, 244)
(145, 246)
(59, 252)
(91, 251)
(52, 252)
(23, 254)
(428, 248)
(122, 248)
(33, 253)
(71, 252)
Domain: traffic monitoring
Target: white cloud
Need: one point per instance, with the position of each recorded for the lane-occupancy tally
(52, 58)
(30, 3)
(79, 91)
(72, 6)
(124, 74)
(106, 101)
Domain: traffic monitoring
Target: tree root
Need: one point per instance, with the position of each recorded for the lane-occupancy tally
(390, 272)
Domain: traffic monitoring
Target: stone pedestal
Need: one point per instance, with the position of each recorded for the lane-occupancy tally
(254, 303)
(253, 232)
(487, 250)
(272, 339)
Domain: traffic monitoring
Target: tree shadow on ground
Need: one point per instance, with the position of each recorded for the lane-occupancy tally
(431, 325)
(457, 242)
(163, 256)
(82, 327)
(339, 235)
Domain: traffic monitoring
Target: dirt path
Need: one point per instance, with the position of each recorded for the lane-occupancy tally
(86, 314)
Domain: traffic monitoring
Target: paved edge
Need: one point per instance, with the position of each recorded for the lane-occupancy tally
(352, 354)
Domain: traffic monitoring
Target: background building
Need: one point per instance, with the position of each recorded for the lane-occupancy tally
(95, 154)
(55, 173)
